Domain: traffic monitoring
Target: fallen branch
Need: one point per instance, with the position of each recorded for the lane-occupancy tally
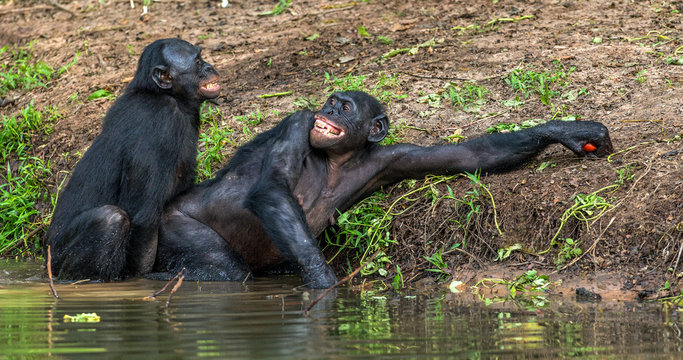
(345, 279)
(49, 273)
(175, 288)
(153, 296)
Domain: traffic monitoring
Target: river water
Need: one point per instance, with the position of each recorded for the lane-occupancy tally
(265, 319)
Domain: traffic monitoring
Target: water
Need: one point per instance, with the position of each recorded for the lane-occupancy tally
(264, 319)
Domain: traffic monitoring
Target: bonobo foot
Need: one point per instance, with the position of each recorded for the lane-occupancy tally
(318, 277)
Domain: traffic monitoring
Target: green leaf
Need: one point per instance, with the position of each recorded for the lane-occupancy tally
(97, 94)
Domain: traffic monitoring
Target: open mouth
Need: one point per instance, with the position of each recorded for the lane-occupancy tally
(211, 87)
(327, 128)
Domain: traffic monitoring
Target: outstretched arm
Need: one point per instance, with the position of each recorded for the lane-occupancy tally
(272, 200)
(492, 153)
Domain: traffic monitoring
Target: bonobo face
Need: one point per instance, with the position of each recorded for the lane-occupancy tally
(348, 121)
(187, 75)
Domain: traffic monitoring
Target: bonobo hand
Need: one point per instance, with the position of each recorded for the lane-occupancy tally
(576, 134)
(318, 277)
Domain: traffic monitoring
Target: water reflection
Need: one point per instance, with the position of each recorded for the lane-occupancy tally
(264, 320)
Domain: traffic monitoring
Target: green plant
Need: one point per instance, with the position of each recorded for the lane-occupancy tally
(524, 287)
(308, 103)
(22, 183)
(21, 71)
(397, 282)
(382, 89)
(362, 31)
(363, 229)
(469, 206)
(251, 119)
(385, 40)
(640, 76)
(280, 8)
(510, 127)
(469, 96)
(544, 84)
(585, 208)
(439, 265)
(569, 250)
(212, 142)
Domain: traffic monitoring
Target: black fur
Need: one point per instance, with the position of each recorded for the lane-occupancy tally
(106, 220)
(281, 190)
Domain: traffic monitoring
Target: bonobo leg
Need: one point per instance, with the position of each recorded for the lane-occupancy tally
(203, 253)
(93, 245)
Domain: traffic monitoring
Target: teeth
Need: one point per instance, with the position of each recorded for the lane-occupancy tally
(324, 128)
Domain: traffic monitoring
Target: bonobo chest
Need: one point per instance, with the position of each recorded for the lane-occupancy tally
(317, 199)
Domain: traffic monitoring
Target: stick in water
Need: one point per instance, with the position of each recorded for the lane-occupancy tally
(153, 296)
(175, 287)
(49, 273)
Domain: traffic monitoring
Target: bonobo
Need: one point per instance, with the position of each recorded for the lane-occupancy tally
(281, 190)
(106, 222)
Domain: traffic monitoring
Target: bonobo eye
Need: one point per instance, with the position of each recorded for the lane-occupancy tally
(198, 61)
(332, 101)
(346, 107)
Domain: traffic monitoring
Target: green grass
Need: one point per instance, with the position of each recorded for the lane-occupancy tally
(469, 97)
(510, 127)
(546, 85)
(20, 71)
(212, 142)
(22, 185)
(385, 87)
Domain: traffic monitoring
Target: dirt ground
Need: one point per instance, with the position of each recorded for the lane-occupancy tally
(619, 49)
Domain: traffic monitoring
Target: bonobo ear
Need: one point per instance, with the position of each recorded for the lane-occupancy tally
(162, 77)
(380, 126)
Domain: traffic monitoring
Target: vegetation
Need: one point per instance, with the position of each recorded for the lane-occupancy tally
(19, 71)
(385, 88)
(212, 142)
(22, 184)
(544, 84)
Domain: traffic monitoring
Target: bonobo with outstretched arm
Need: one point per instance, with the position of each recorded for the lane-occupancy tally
(281, 190)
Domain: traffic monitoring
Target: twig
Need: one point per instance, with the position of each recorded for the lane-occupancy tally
(25, 9)
(55, 4)
(345, 279)
(49, 273)
(153, 296)
(177, 285)
(246, 278)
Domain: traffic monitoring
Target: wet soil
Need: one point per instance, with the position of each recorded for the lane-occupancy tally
(621, 51)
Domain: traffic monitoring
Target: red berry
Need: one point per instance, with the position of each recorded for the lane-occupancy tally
(589, 147)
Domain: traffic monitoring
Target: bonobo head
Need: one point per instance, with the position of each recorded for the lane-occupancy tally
(348, 121)
(174, 66)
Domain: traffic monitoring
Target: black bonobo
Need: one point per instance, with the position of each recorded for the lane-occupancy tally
(106, 222)
(281, 190)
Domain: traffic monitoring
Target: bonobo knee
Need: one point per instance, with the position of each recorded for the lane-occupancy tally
(114, 218)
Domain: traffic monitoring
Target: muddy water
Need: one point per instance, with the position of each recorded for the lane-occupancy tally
(263, 320)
